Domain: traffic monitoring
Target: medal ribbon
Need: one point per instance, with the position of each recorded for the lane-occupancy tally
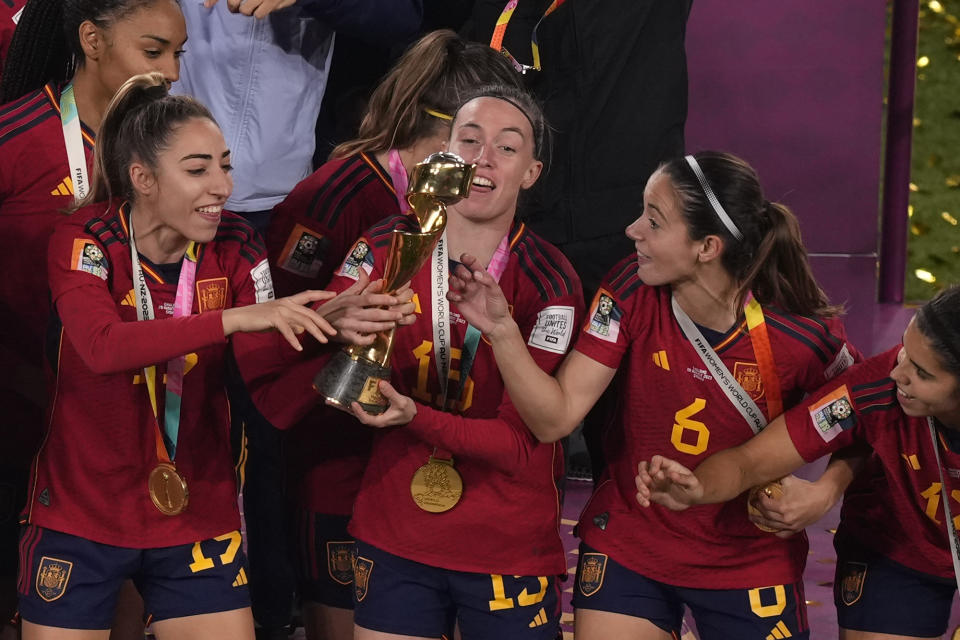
(740, 399)
(945, 499)
(73, 139)
(496, 41)
(182, 306)
(398, 175)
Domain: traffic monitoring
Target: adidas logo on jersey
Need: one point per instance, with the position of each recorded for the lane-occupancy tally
(660, 359)
(241, 578)
(65, 188)
(779, 632)
(129, 300)
(539, 620)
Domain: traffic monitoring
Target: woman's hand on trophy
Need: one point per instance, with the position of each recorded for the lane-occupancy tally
(801, 504)
(478, 297)
(362, 310)
(668, 483)
(402, 409)
(289, 316)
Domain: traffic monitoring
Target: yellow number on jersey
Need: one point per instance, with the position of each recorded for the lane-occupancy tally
(422, 392)
(932, 495)
(768, 610)
(684, 423)
(501, 601)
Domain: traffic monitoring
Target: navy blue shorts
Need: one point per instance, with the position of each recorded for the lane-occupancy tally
(776, 611)
(71, 582)
(395, 595)
(324, 559)
(879, 595)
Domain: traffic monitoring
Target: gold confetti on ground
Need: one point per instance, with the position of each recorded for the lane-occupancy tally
(926, 276)
(949, 218)
(813, 603)
(568, 522)
(575, 552)
(832, 532)
(566, 618)
(827, 560)
(825, 584)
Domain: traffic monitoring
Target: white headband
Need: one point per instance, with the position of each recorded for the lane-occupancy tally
(714, 202)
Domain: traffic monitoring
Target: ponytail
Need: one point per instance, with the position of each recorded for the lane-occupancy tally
(427, 83)
(136, 126)
(769, 258)
(46, 43)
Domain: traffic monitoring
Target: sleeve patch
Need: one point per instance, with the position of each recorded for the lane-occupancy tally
(87, 256)
(360, 257)
(552, 330)
(604, 317)
(839, 364)
(304, 252)
(832, 414)
(262, 282)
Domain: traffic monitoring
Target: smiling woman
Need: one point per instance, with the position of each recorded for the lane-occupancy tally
(149, 280)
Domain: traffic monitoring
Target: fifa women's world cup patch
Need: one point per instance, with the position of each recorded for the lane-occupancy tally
(87, 256)
(604, 317)
(833, 413)
(360, 257)
(53, 575)
(304, 252)
(593, 566)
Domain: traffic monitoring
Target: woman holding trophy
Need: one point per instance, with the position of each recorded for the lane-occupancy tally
(150, 279)
(457, 517)
(720, 325)
(309, 236)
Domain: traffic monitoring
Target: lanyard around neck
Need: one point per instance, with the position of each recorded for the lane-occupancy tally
(182, 306)
(945, 499)
(496, 41)
(73, 139)
(760, 341)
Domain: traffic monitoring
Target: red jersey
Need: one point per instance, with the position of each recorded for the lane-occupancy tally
(894, 507)
(309, 235)
(90, 477)
(673, 406)
(311, 230)
(507, 520)
(35, 187)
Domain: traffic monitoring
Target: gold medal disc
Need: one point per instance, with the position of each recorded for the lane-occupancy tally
(168, 489)
(436, 486)
(772, 490)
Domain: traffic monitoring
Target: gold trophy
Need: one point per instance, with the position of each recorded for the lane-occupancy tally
(354, 373)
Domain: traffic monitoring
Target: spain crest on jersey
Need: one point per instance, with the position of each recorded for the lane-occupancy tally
(211, 294)
(340, 561)
(748, 375)
(360, 257)
(304, 252)
(851, 582)
(604, 317)
(53, 575)
(362, 568)
(593, 566)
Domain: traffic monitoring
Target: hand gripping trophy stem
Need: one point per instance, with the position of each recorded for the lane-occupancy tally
(354, 373)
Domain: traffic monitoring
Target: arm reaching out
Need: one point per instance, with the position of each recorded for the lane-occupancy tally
(550, 406)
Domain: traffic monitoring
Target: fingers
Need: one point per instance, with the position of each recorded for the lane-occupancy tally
(471, 262)
(310, 295)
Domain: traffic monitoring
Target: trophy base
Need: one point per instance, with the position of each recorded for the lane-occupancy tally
(346, 380)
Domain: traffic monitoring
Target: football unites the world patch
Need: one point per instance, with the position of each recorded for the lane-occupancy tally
(53, 575)
(262, 282)
(552, 330)
(87, 256)
(832, 413)
(604, 317)
(360, 257)
(304, 252)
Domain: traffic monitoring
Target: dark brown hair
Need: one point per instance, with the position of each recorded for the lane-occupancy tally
(136, 126)
(770, 260)
(434, 73)
(939, 322)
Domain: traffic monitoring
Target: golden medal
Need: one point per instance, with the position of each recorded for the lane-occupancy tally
(436, 486)
(168, 490)
(771, 490)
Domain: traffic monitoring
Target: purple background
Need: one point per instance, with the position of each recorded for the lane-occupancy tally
(796, 88)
